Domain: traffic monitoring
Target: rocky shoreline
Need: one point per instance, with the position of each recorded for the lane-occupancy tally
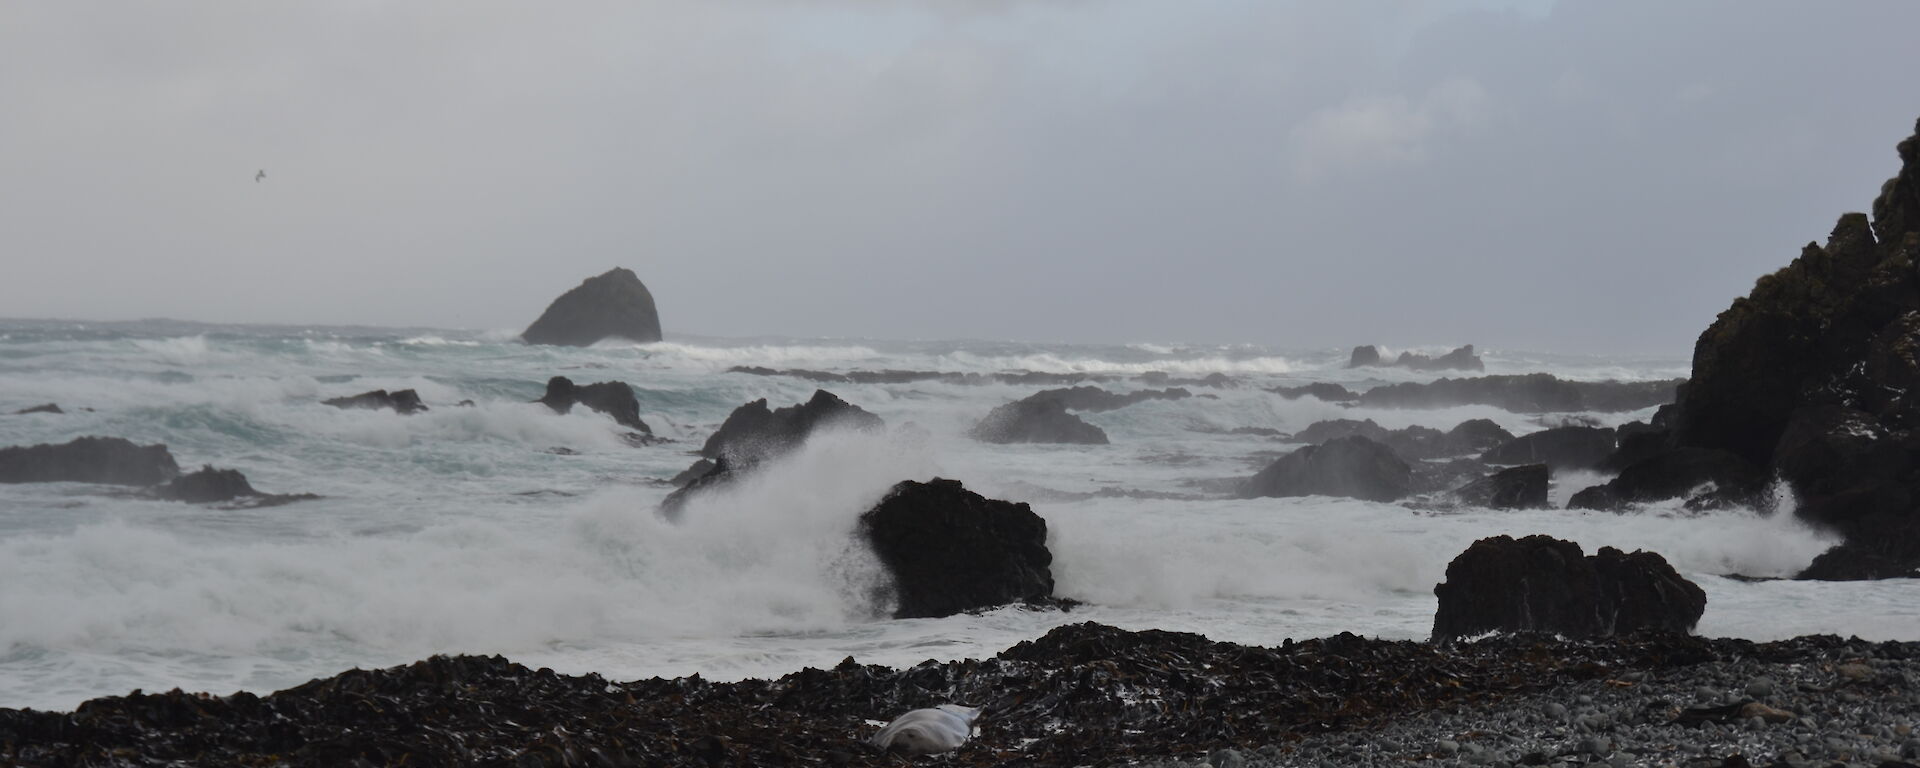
(1084, 694)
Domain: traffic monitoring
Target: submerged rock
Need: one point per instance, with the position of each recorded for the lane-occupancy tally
(1036, 421)
(1543, 584)
(612, 305)
(44, 408)
(1559, 448)
(1529, 393)
(213, 486)
(951, 550)
(110, 460)
(1352, 466)
(1522, 487)
(403, 402)
(1326, 392)
(613, 398)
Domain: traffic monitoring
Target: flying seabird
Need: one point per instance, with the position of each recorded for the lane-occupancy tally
(261, 175)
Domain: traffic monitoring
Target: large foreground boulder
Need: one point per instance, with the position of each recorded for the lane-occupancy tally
(403, 401)
(1352, 466)
(1543, 584)
(1559, 448)
(110, 460)
(614, 398)
(1033, 420)
(1522, 487)
(951, 550)
(612, 305)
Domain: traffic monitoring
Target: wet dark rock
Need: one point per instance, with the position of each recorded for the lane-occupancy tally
(612, 305)
(1706, 478)
(1261, 431)
(1096, 399)
(1364, 357)
(1412, 443)
(699, 469)
(1543, 584)
(1815, 375)
(1016, 378)
(46, 408)
(1323, 391)
(214, 486)
(1560, 448)
(613, 398)
(1522, 487)
(1637, 442)
(1036, 421)
(1334, 429)
(404, 401)
(754, 434)
(1462, 358)
(110, 460)
(1082, 694)
(1352, 466)
(951, 550)
(1866, 561)
(1529, 393)
(1476, 436)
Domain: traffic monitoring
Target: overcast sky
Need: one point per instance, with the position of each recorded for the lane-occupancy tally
(1584, 175)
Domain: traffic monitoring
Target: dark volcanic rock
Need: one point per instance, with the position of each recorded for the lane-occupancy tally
(1543, 584)
(1560, 448)
(1461, 359)
(206, 486)
(1708, 477)
(1522, 487)
(951, 550)
(46, 408)
(405, 401)
(1476, 436)
(1097, 399)
(1334, 429)
(613, 398)
(1323, 391)
(1815, 375)
(1862, 562)
(612, 305)
(754, 434)
(1351, 466)
(1363, 357)
(1529, 393)
(1036, 421)
(1082, 694)
(88, 460)
(1412, 443)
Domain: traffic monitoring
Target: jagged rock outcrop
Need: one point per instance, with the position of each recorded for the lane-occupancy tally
(1706, 477)
(951, 550)
(1412, 443)
(1351, 466)
(1036, 421)
(1815, 375)
(1460, 359)
(1096, 399)
(404, 401)
(1543, 584)
(1522, 487)
(614, 398)
(214, 486)
(1326, 392)
(44, 408)
(110, 460)
(612, 305)
(1529, 393)
(754, 434)
(1559, 448)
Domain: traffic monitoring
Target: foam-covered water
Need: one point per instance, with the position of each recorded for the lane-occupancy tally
(463, 530)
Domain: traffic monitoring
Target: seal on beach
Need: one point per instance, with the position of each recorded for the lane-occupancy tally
(927, 731)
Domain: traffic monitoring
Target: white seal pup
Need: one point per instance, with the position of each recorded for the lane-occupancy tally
(927, 731)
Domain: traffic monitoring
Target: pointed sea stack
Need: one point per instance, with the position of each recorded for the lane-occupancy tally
(615, 304)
